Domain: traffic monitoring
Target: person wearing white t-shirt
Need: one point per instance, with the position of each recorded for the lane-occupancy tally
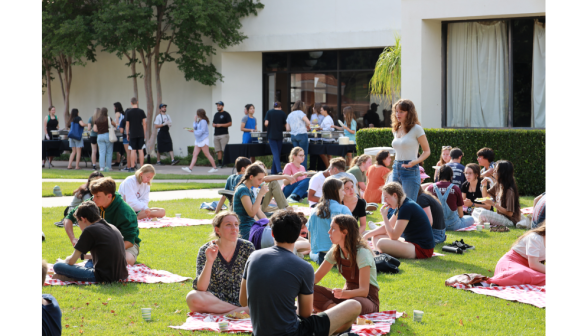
(524, 263)
(135, 191)
(315, 187)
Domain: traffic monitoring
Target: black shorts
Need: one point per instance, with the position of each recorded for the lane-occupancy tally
(136, 143)
(94, 140)
(317, 325)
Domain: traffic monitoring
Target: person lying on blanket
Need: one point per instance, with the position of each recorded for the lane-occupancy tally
(219, 268)
(408, 219)
(135, 191)
(104, 241)
(274, 277)
(524, 263)
(355, 261)
(241, 165)
(115, 211)
(51, 310)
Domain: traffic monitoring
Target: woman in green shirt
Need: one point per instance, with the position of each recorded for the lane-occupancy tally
(359, 166)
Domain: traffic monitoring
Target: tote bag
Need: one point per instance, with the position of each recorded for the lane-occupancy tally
(111, 135)
(75, 131)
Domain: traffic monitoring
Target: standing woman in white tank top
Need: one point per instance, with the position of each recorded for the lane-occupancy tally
(408, 136)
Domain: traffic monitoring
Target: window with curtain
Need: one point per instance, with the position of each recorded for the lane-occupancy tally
(479, 90)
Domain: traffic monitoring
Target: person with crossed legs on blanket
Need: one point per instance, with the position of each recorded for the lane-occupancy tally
(106, 245)
(219, 268)
(275, 276)
(135, 191)
(241, 165)
(115, 211)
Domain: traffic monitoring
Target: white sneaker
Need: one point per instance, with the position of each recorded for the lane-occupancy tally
(213, 170)
(186, 169)
(372, 225)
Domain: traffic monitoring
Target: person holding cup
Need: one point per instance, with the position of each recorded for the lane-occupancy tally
(219, 268)
(246, 204)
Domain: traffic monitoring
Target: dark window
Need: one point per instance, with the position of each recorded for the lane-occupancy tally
(275, 61)
(313, 60)
(359, 59)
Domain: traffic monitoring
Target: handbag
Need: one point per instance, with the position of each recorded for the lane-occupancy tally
(386, 263)
(111, 134)
(75, 131)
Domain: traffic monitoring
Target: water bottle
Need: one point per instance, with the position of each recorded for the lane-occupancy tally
(57, 191)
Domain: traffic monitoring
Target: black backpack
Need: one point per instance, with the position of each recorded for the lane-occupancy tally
(386, 263)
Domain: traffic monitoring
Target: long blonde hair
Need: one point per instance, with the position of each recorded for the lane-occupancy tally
(147, 168)
(348, 115)
(412, 118)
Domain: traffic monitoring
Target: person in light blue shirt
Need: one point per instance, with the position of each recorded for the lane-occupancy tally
(200, 130)
(320, 219)
(298, 126)
(349, 128)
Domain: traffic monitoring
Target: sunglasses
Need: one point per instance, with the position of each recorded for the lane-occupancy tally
(446, 147)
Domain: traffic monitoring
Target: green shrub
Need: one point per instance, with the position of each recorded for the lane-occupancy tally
(524, 148)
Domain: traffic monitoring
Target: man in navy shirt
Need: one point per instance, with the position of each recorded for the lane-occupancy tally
(458, 176)
(275, 121)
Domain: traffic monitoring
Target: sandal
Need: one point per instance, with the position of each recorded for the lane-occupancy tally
(500, 228)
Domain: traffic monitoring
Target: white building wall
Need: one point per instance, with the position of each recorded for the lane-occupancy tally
(421, 44)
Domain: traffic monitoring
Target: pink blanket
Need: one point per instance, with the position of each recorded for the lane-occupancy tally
(198, 321)
(171, 221)
(137, 273)
(469, 228)
(533, 295)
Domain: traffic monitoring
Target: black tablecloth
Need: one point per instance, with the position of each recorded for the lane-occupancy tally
(57, 147)
(232, 152)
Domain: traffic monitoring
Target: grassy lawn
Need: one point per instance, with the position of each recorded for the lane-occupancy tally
(67, 188)
(419, 285)
(83, 174)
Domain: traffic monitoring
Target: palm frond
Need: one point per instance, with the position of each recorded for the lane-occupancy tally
(385, 82)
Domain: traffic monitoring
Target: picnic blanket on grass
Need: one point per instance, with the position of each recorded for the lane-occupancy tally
(469, 228)
(533, 295)
(199, 321)
(171, 221)
(137, 273)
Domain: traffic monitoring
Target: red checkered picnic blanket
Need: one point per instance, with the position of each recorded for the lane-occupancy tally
(137, 273)
(171, 221)
(199, 321)
(533, 295)
(527, 211)
(469, 228)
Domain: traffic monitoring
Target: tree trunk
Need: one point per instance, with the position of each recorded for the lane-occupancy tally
(134, 73)
(66, 68)
(48, 81)
(147, 59)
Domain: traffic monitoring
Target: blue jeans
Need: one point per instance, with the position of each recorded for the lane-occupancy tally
(105, 150)
(459, 223)
(321, 257)
(452, 220)
(301, 140)
(439, 236)
(276, 148)
(299, 188)
(409, 178)
(80, 273)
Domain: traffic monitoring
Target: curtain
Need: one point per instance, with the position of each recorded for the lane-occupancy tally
(477, 74)
(538, 91)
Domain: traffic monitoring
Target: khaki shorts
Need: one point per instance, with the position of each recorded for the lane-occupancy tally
(134, 250)
(220, 141)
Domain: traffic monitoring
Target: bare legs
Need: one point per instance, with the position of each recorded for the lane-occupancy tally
(76, 152)
(134, 158)
(396, 248)
(130, 258)
(94, 151)
(343, 315)
(153, 212)
(205, 302)
(206, 153)
(326, 158)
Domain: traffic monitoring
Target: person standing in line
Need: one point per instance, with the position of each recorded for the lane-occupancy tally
(248, 125)
(200, 130)
(408, 136)
(298, 126)
(119, 114)
(456, 166)
(275, 121)
(93, 136)
(164, 142)
(76, 145)
(136, 129)
(221, 123)
(121, 126)
(104, 145)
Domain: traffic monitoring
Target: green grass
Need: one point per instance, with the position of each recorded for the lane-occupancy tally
(83, 174)
(67, 188)
(419, 285)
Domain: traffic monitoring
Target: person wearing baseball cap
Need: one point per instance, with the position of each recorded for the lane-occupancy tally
(164, 142)
(221, 123)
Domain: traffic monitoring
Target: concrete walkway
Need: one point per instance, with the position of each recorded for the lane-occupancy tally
(153, 181)
(153, 196)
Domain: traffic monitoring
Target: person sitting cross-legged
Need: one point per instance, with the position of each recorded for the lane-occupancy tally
(274, 277)
(219, 268)
(115, 211)
(355, 262)
(135, 191)
(241, 164)
(296, 187)
(105, 244)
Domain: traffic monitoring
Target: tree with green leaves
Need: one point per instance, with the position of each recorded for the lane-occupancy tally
(385, 83)
(151, 27)
(67, 41)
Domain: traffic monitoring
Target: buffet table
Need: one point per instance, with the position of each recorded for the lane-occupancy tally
(57, 147)
(232, 152)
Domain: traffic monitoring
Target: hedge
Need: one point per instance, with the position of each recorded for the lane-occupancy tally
(524, 148)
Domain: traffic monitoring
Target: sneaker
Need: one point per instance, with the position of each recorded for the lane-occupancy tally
(371, 207)
(372, 225)
(94, 167)
(131, 170)
(522, 225)
(469, 247)
(213, 170)
(106, 169)
(174, 162)
(186, 169)
(44, 239)
(59, 224)
(101, 169)
(291, 200)
(125, 169)
(159, 163)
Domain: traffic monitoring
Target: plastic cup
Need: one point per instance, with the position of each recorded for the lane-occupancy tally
(479, 227)
(417, 315)
(146, 312)
(178, 215)
(486, 225)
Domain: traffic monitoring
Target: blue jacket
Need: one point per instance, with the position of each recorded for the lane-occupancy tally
(201, 130)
